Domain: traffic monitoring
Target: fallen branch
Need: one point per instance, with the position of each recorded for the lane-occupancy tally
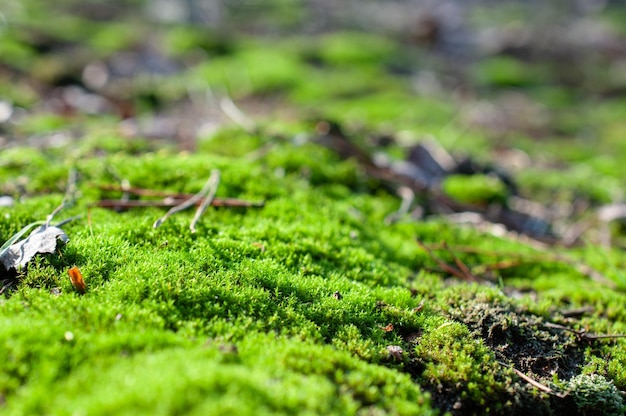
(175, 201)
(170, 199)
(141, 191)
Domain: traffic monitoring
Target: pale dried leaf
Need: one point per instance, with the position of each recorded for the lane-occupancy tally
(42, 240)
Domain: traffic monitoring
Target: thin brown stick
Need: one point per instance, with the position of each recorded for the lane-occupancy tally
(171, 199)
(142, 191)
(469, 275)
(577, 312)
(217, 202)
(538, 385)
(500, 265)
(582, 334)
(533, 382)
(464, 269)
(581, 267)
(445, 266)
(602, 336)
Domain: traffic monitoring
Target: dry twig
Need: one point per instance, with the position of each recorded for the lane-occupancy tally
(169, 199)
(68, 199)
(462, 272)
(172, 202)
(519, 259)
(581, 334)
(534, 383)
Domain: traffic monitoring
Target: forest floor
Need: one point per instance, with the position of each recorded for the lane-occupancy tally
(407, 210)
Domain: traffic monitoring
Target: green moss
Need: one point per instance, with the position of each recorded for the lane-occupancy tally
(15, 51)
(192, 286)
(506, 72)
(183, 40)
(153, 294)
(252, 70)
(177, 286)
(111, 37)
(354, 48)
(450, 355)
(475, 189)
(43, 123)
(311, 304)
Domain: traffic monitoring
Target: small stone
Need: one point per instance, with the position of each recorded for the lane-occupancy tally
(395, 352)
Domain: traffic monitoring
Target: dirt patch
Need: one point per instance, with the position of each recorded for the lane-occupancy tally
(520, 338)
(531, 344)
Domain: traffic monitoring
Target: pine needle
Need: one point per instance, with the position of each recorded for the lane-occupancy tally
(69, 198)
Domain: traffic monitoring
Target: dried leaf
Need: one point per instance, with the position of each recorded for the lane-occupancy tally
(77, 280)
(388, 328)
(42, 240)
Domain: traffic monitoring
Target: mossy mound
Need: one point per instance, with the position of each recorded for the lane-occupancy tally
(310, 294)
(333, 296)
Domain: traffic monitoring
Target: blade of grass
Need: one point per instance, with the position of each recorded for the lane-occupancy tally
(69, 198)
(213, 182)
(231, 110)
(15, 237)
(186, 204)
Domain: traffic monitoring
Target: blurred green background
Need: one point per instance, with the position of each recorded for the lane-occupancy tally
(536, 87)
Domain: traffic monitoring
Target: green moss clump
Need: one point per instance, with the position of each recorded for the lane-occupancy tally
(462, 372)
(354, 48)
(475, 189)
(309, 291)
(502, 71)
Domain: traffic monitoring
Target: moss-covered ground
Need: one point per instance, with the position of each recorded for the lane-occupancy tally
(314, 303)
